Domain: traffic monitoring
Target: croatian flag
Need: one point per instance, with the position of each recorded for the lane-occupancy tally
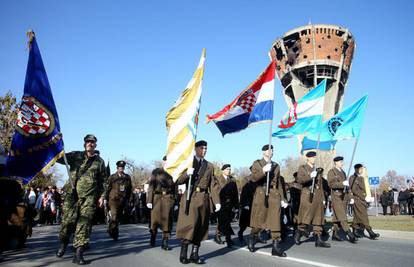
(305, 115)
(253, 105)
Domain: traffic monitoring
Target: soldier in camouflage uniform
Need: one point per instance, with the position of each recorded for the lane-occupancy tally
(118, 194)
(88, 175)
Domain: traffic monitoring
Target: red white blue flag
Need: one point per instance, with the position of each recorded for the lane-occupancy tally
(253, 105)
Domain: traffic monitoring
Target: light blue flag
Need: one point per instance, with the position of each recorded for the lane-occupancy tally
(304, 115)
(344, 125)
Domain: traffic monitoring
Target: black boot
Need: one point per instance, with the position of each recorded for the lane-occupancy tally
(78, 257)
(115, 234)
(183, 253)
(351, 237)
(194, 257)
(277, 250)
(152, 239)
(372, 235)
(164, 245)
(229, 241)
(298, 235)
(218, 239)
(240, 236)
(335, 236)
(320, 243)
(252, 242)
(62, 249)
(357, 232)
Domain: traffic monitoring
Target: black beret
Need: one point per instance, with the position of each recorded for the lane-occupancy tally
(164, 158)
(266, 147)
(120, 163)
(311, 154)
(339, 158)
(200, 143)
(90, 137)
(225, 166)
(357, 166)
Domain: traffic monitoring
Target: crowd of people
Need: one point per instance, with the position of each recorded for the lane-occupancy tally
(397, 202)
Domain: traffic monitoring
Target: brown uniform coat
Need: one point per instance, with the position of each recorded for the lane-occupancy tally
(339, 199)
(161, 196)
(194, 226)
(358, 193)
(262, 217)
(310, 213)
(229, 199)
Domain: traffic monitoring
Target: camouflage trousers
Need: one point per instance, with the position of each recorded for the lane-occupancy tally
(77, 220)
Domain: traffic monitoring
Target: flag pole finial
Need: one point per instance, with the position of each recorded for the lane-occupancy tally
(30, 34)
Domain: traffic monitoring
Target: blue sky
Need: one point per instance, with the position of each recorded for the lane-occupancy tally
(116, 67)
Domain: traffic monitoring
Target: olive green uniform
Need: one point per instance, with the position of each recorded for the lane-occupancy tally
(336, 177)
(88, 174)
(118, 195)
(161, 195)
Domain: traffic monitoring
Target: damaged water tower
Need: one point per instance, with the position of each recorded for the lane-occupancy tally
(307, 55)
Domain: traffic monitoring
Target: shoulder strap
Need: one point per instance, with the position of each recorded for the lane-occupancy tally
(80, 172)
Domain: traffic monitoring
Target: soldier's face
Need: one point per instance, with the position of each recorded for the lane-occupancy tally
(90, 146)
(227, 171)
(268, 153)
(120, 169)
(201, 151)
(311, 160)
(339, 164)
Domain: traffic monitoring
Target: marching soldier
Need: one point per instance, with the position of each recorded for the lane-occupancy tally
(118, 195)
(266, 210)
(161, 192)
(229, 199)
(311, 210)
(359, 200)
(246, 199)
(337, 182)
(193, 218)
(88, 175)
(295, 189)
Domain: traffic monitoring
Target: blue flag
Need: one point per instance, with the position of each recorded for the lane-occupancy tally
(37, 142)
(344, 125)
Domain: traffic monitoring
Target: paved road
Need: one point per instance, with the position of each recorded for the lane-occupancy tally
(132, 249)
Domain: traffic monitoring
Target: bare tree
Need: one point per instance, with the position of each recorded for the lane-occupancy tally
(392, 179)
(140, 173)
(289, 166)
(8, 116)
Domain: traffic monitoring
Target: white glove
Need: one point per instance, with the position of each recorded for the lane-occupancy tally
(190, 171)
(218, 207)
(105, 203)
(236, 211)
(313, 174)
(246, 207)
(352, 201)
(175, 208)
(345, 183)
(324, 202)
(267, 167)
(283, 204)
(149, 205)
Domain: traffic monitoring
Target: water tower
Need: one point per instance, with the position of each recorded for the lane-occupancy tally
(307, 55)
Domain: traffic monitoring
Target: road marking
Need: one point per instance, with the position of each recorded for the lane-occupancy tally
(309, 262)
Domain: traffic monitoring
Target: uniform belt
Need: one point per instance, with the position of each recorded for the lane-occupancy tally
(202, 190)
(162, 192)
(338, 190)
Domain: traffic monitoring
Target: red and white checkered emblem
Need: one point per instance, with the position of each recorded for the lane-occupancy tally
(33, 119)
(247, 101)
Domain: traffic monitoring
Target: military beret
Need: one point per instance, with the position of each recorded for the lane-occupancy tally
(200, 143)
(164, 158)
(225, 166)
(120, 163)
(90, 137)
(357, 166)
(266, 147)
(311, 154)
(339, 158)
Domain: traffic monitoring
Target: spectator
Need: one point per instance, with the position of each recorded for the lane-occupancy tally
(403, 197)
(58, 204)
(411, 202)
(395, 204)
(140, 205)
(45, 207)
(384, 200)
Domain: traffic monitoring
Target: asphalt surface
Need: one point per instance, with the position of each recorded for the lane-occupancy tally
(132, 249)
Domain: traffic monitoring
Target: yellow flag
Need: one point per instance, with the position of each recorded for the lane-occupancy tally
(182, 122)
(366, 182)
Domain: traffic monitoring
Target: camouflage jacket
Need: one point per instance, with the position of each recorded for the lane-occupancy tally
(92, 180)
